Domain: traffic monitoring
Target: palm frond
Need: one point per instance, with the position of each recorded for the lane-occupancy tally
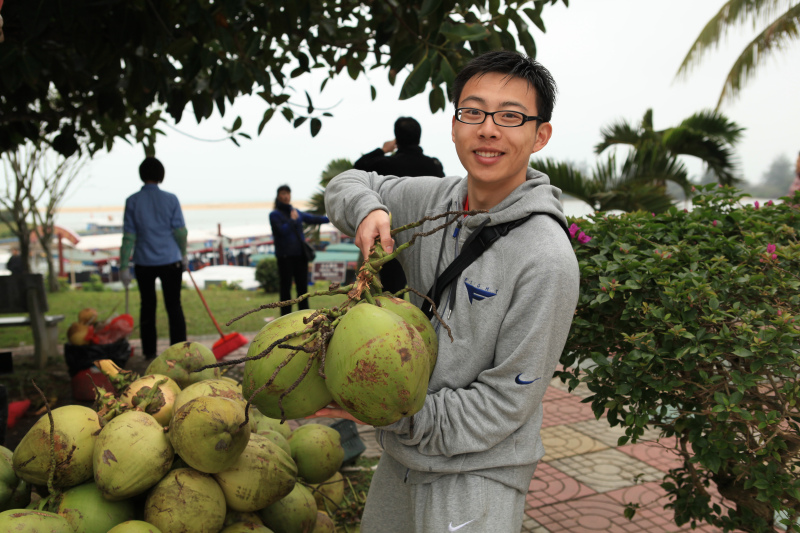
(714, 124)
(636, 196)
(733, 13)
(777, 36)
(622, 132)
(569, 179)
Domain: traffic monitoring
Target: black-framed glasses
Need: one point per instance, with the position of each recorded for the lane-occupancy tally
(506, 119)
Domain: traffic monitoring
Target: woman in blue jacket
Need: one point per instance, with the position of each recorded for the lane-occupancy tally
(287, 233)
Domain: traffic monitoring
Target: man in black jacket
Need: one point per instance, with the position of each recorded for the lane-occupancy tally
(407, 159)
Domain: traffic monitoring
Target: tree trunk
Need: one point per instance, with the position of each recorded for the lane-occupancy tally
(24, 237)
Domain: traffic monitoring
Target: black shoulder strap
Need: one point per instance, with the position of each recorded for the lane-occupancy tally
(477, 243)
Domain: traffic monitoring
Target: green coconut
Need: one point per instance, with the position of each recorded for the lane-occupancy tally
(259, 422)
(14, 492)
(87, 511)
(324, 524)
(186, 501)
(308, 397)
(134, 526)
(414, 316)
(244, 527)
(232, 517)
(33, 521)
(180, 362)
(262, 475)
(211, 387)
(131, 455)
(317, 450)
(377, 365)
(295, 513)
(162, 403)
(275, 437)
(208, 433)
(330, 493)
(76, 429)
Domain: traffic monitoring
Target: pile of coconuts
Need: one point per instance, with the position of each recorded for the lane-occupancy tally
(174, 451)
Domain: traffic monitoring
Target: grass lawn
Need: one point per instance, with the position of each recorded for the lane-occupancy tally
(225, 304)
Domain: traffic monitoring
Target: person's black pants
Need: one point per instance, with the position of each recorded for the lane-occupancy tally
(292, 269)
(171, 276)
(392, 276)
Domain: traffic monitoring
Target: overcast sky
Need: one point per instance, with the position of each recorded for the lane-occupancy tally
(611, 60)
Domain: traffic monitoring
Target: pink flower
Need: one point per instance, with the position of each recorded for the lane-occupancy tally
(573, 230)
(653, 214)
(693, 189)
(770, 202)
(771, 248)
(756, 204)
(774, 256)
(714, 223)
(780, 312)
(583, 238)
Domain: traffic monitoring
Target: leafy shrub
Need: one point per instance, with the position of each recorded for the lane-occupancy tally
(688, 322)
(267, 274)
(225, 286)
(95, 284)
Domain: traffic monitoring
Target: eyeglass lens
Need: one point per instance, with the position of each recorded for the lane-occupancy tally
(501, 118)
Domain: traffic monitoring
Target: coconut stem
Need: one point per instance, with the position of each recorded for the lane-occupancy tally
(142, 404)
(51, 476)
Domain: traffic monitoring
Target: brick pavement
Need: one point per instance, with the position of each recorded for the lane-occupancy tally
(584, 481)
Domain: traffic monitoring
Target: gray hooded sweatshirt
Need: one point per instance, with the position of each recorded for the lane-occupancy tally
(510, 319)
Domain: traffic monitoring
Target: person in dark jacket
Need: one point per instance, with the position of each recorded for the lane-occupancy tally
(287, 233)
(14, 264)
(407, 159)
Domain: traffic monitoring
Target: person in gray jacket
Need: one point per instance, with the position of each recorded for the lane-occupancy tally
(464, 461)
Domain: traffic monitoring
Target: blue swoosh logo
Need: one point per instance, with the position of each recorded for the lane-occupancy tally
(477, 294)
(521, 381)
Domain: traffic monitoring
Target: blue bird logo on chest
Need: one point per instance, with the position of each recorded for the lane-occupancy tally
(477, 293)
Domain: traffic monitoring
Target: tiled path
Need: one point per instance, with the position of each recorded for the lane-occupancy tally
(585, 480)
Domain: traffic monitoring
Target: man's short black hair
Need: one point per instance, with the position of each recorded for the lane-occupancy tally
(407, 131)
(515, 65)
(151, 170)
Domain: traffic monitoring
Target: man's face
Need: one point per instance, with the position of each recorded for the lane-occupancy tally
(493, 155)
(285, 197)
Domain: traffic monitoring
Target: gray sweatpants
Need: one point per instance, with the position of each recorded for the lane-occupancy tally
(454, 502)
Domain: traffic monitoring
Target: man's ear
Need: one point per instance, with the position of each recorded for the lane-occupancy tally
(543, 134)
(453, 130)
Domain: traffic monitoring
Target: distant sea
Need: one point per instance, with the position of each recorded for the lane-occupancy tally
(206, 216)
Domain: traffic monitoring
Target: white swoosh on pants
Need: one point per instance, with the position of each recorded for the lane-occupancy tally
(450, 527)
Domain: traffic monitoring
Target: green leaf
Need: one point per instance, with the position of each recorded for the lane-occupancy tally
(267, 116)
(464, 31)
(741, 351)
(316, 125)
(428, 7)
(236, 124)
(416, 81)
(713, 303)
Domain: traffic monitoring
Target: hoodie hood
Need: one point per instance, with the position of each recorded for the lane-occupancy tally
(536, 195)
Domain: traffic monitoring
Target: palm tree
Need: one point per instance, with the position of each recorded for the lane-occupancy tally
(334, 168)
(780, 20)
(707, 135)
(631, 187)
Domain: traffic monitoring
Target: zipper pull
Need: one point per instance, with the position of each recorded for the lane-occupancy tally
(457, 230)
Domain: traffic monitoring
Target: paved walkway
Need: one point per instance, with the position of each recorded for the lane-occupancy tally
(584, 482)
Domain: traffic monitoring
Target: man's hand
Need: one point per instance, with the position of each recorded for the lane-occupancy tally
(125, 277)
(389, 146)
(294, 214)
(185, 263)
(375, 224)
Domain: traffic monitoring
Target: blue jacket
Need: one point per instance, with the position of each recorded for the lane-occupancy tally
(288, 234)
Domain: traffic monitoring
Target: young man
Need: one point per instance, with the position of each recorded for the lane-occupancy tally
(153, 228)
(466, 462)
